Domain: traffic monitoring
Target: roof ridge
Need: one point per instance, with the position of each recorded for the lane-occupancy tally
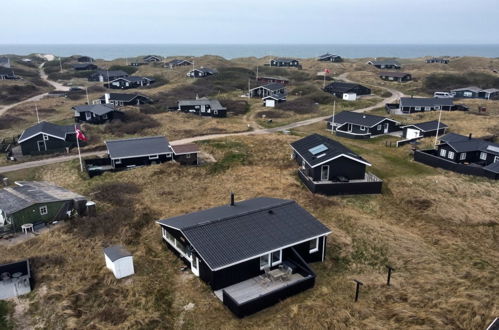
(139, 138)
(206, 223)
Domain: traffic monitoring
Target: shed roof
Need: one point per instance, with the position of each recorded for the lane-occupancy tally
(393, 74)
(428, 126)
(138, 147)
(385, 62)
(227, 235)
(115, 252)
(213, 103)
(125, 97)
(188, 148)
(317, 149)
(98, 109)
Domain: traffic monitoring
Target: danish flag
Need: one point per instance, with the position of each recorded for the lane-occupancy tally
(79, 135)
(327, 71)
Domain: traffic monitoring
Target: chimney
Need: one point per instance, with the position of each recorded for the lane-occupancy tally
(107, 96)
(231, 199)
(469, 137)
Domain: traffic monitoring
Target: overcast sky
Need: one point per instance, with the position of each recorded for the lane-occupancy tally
(255, 22)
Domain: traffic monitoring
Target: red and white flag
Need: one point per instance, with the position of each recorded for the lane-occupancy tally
(79, 135)
(327, 71)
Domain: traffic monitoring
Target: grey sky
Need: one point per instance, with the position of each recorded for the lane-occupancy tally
(256, 21)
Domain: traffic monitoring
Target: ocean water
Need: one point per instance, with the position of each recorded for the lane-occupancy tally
(113, 51)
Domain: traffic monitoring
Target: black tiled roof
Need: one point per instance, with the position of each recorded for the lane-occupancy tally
(428, 125)
(59, 131)
(361, 119)
(425, 102)
(333, 149)
(461, 143)
(122, 97)
(227, 235)
(138, 147)
(98, 109)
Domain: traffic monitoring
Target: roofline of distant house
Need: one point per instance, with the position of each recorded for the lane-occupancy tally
(332, 158)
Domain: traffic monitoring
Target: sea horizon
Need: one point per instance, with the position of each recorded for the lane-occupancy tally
(231, 51)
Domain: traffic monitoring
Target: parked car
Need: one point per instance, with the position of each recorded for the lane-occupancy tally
(443, 95)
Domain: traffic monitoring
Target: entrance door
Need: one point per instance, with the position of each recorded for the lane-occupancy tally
(325, 173)
(349, 127)
(41, 146)
(387, 125)
(195, 265)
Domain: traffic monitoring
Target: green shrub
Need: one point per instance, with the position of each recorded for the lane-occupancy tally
(132, 123)
(299, 106)
(128, 69)
(5, 311)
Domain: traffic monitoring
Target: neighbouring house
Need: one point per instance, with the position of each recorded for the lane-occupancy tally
(385, 64)
(96, 113)
(7, 74)
(84, 66)
(274, 99)
(176, 62)
(421, 104)
(129, 82)
(268, 80)
(473, 92)
(152, 58)
(425, 129)
(203, 107)
(356, 125)
(268, 89)
(338, 88)
(201, 72)
(45, 137)
(395, 76)
(463, 154)
(186, 154)
(437, 60)
(328, 167)
(106, 75)
(139, 151)
(285, 62)
(5, 62)
(85, 59)
(15, 279)
(119, 261)
(253, 253)
(330, 58)
(37, 203)
(123, 99)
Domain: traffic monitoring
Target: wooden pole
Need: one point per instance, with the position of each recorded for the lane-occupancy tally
(438, 127)
(79, 153)
(390, 269)
(357, 289)
(332, 119)
(37, 116)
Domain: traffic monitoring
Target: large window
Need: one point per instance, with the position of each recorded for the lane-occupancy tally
(483, 156)
(44, 210)
(276, 257)
(271, 259)
(314, 245)
(450, 155)
(443, 152)
(462, 156)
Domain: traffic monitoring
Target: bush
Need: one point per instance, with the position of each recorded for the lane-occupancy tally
(128, 69)
(16, 93)
(321, 97)
(292, 74)
(7, 121)
(304, 89)
(132, 123)
(159, 80)
(272, 114)
(5, 311)
(447, 81)
(236, 107)
(151, 109)
(299, 106)
(96, 89)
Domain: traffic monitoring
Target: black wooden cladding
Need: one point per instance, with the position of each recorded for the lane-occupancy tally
(342, 188)
(51, 145)
(430, 158)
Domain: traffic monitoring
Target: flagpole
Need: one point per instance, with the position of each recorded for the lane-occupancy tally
(86, 90)
(37, 116)
(438, 127)
(324, 84)
(78, 145)
(332, 121)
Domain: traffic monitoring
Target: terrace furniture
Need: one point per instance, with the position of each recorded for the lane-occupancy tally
(277, 274)
(27, 227)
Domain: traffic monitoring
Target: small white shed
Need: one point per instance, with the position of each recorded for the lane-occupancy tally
(119, 261)
(349, 96)
(270, 103)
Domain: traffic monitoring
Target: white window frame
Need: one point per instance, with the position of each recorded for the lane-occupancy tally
(362, 128)
(188, 156)
(379, 127)
(323, 167)
(267, 265)
(316, 248)
(462, 156)
(496, 159)
(44, 210)
(483, 155)
(437, 107)
(88, 115)
(154, 157)
(117, 161)
(443, 153)
(274, 263)
(417, 108)
(45, 137)
(450, 154)
(303, 165)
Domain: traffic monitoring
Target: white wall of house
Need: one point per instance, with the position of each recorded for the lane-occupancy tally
(349, 96)
(270, 103)
(11, 288)
(412, 133)
(122, 267)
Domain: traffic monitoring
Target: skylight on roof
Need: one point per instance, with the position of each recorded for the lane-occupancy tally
(318, 149)
(493, 148)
